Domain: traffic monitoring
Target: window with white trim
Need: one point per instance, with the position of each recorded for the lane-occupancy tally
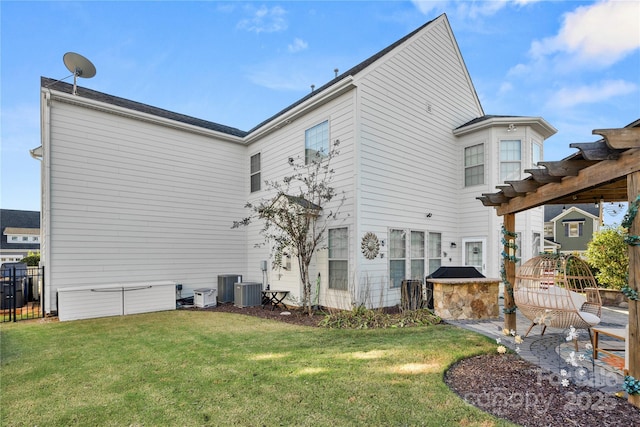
(573, 228)
(435, 251)
(510, 157)
(255, 172)
(316, 142)
(536, 154)
(397, 257)
(338, 258)
(474, 165)
(417, 255)
(535, 245)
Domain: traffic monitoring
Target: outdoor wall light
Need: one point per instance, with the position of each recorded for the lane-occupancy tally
(453, 245)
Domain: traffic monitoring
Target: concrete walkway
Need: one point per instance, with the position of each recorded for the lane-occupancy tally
(554, 354)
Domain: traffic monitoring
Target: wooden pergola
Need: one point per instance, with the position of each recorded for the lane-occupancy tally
(607, 170)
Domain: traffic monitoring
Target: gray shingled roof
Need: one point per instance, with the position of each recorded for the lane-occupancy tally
(485, 118)
(136, 106)
(18, 219)
(552, 211)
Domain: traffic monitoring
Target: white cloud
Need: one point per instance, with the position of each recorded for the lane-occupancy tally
(590, 94)
(264, 20)
(470, 8)
(599, 34)
(298, 45)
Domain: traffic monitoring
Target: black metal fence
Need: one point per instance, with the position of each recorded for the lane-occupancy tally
(21, 293)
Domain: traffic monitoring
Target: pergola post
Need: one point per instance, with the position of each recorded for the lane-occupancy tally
(509, 222)
(633, 188)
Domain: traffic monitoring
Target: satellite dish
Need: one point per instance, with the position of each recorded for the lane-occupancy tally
(79, 66)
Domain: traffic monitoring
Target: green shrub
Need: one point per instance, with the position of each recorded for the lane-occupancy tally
(32, 259)
(607, 254)
(366, 318)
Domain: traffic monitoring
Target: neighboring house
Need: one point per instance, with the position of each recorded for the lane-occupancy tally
(569, 229)
(20, 234)
(135, 193)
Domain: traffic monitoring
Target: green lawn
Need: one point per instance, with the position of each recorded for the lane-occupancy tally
(184, 368)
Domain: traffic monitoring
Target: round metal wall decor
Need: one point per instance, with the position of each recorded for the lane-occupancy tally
(370, 245)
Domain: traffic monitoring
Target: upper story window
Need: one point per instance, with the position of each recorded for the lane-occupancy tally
(316, 142)
(510, 157)
(23, 239)
(255, 172)
(474, 165)
(536, 154)
(573, 228)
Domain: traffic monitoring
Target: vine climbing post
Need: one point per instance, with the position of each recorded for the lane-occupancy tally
(509, 270)
(632, 222)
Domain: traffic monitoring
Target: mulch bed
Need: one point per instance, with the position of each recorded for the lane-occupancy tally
(514, 389)
(505, 386)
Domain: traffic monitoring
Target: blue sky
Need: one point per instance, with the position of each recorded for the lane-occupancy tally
(574, 63)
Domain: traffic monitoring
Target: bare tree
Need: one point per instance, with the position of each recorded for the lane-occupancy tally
(295, 218)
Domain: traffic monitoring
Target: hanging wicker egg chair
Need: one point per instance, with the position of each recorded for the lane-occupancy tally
(557, 291)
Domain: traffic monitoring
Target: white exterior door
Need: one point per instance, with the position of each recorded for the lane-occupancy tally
(474, 254)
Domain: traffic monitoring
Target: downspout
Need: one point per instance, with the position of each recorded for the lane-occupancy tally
(45, 205)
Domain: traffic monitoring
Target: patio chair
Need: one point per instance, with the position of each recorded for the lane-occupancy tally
(557, 291)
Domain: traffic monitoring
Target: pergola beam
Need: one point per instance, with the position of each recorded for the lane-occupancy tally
(620, 138)
(604, 172)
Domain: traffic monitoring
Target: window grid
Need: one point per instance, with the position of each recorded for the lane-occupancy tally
(474, 165)
(435, 251)
(397, 257)
(338, 258)
(510, 156)
(316, 140)
(417, 255)
(255, 172)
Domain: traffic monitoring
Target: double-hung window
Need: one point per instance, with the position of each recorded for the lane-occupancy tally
(338, 258)
(397, 257)
(316, 142)
(255, 172)
(536, 154)
(417, 255)
(435, 251)
(474, 165)
(510, 157)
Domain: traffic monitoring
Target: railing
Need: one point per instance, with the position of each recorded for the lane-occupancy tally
(21, 293)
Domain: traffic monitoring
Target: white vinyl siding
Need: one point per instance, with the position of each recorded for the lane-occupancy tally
(133, 201)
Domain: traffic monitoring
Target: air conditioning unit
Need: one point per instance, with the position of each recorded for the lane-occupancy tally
(205, 297)
(248, 294)
(226, 286)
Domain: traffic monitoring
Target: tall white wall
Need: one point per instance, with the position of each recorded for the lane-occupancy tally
(410, 161)
(131, 201)
(275, 149)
